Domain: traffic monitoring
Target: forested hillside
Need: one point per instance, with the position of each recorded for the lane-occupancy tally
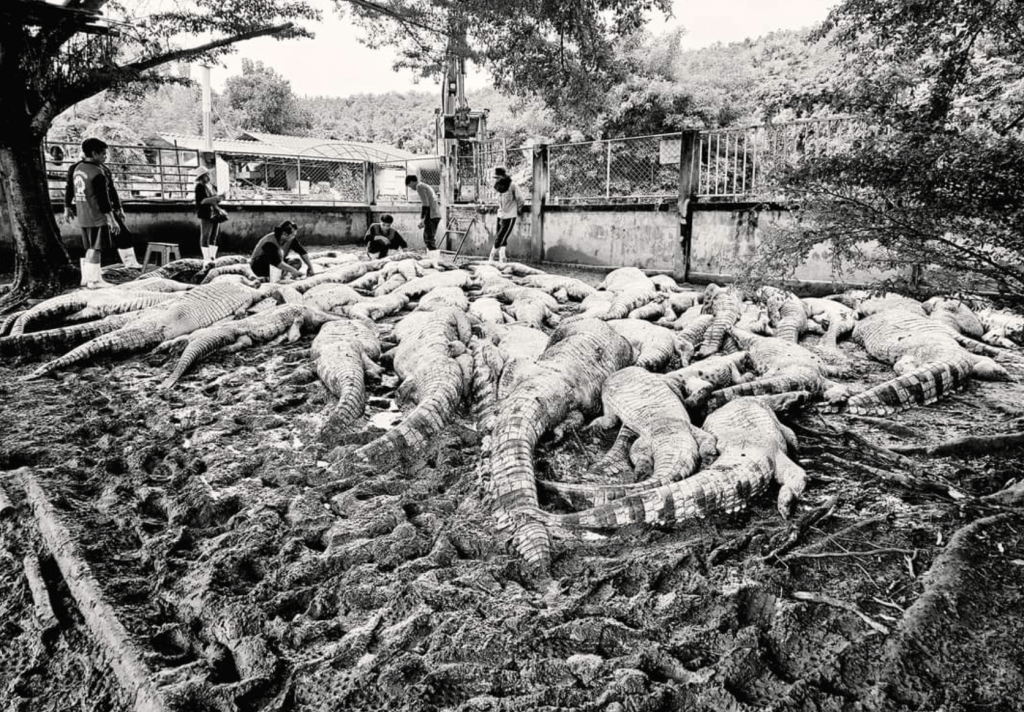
(661, 89)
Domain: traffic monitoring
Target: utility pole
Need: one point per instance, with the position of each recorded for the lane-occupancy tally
(204, 76)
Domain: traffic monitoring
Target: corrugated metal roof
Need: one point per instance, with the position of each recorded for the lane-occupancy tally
(277, 145)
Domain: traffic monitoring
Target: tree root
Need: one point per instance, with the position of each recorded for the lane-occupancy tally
(40, 593)
(807, 551)
(800, 527)
(836, 603)
(926, 622)
(900, 431)
(125, 657)
(968, 445)
(909, 482)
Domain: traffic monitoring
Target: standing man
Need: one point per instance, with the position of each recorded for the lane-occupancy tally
(510, 204)
(430, 212)
(90, 195)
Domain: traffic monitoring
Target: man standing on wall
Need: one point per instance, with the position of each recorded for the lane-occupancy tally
(90, 195)
(430, 212)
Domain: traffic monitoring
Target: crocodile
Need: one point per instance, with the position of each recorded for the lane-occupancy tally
(243, 269)
(529, 305)
(436, 371)
(928, 357)
(377, 308)
(679, 302)
(955, 314)
(726, 305)
(330, 296)
(594, 307)
(884, 302)
(667, 442)
(488, 309)
(691, 334)
(664, 283)
(183, 270)
(753, 451)
(657, 309)
(786, 312)
(231, 336)
(563, 383)
(518, 269)
(345, 352)
(562, 288)
(782, 367)
(755, 319)
(444, 296)
(421, 285)
(837, 319)
(631, 289)
(697, 381)
(153, 284)
(101, 302)
(1002, 328)
(653, 345)
(342, 274)
(53, 340)
(194, 309)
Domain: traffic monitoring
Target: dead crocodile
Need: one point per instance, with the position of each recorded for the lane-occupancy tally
(436, 369)
(561, 288)
(564, 383)
(753, 451)
(653, 345)
(955, 314)
(836, 318)
(928, 357)
(631, 289)
(195, 309)
(786, 312)
(726, 305)
(230, 336)
(782, 367)
(668, 446)
(330, 296)
(100, 302)
(345, 352)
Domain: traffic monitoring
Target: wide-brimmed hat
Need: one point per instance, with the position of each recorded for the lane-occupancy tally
(500, 173)
(199, 172)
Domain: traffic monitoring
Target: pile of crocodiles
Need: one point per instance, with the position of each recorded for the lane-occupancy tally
(692, 379)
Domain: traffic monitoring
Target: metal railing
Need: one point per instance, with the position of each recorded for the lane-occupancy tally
(140, 172)
(741, 162)
(615, 170)
(260, 180)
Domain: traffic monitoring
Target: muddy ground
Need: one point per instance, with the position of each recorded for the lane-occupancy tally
(250, 578)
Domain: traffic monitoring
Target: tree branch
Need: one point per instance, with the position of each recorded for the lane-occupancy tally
(105, 79)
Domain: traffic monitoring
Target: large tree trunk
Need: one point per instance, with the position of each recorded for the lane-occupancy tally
(41, 264)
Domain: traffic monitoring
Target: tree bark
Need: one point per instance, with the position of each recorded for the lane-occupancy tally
(41, 265)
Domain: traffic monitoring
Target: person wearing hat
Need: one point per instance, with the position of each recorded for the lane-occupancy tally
(510, 204)
(209, 230)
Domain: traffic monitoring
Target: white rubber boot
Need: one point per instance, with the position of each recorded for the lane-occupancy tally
(493, 256)
(96, 276)
(127, 256)
(212, 252)
(275, 274)
(206, 256)
(84, 267)
(433, 254)
(501, 255)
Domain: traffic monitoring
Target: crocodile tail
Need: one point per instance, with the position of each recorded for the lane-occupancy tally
(439, 397)
(8, 322)
(44, 312)
(57, 339)
(920, 387)
(197, 350)
(521, 421)
(342, 372)
(487, 366)
(726, 313)
(124, 340)
(760, 387)
(724, 487)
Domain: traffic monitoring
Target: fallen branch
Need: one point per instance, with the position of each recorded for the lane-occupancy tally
(896, 429)
(125, 657)
(838, 554)
(800, 528)
(40, 593)
(835, 536)
(836, 603)
(910, 482)
(1008, 496)
(967, 445)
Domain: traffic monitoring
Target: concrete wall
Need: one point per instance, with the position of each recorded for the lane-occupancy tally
(645, 236)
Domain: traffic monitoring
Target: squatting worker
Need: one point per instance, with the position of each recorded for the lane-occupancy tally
(510, 205)
(90, 195)
(206, 198)
(268, 257)
(430, 213)
(382, 237)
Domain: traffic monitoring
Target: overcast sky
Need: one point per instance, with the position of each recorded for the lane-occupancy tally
(336, 64)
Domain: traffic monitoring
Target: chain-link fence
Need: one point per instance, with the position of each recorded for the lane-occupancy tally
(140, 172)
(618, 170)
(389, 178)
(260, 179)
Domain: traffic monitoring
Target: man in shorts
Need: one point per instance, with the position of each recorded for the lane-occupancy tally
(382, 237)
(430, 212)
(90, 196)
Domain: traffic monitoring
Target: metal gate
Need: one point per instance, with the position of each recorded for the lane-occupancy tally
(475, 162)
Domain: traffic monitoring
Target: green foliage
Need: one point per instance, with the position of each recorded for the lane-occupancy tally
(939, 186)
(263, 101)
